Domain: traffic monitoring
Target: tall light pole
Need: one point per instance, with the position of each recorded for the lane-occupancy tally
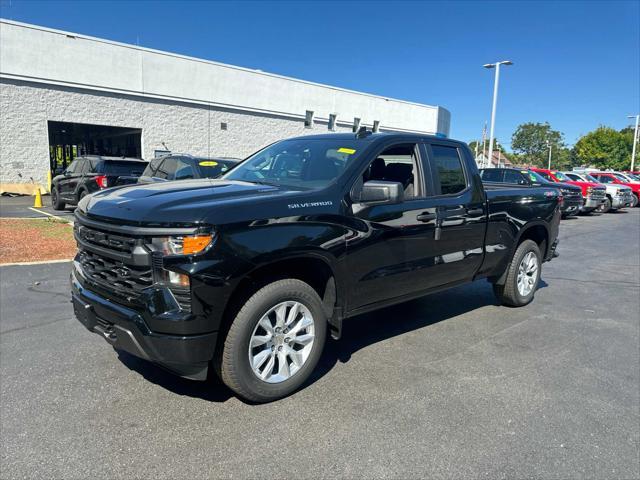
(635, 141)
(549, 164)
(495, 101)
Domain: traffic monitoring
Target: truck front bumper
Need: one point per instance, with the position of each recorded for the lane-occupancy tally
(591, 203)
(621, 201)
(571, 206)
(125, 329)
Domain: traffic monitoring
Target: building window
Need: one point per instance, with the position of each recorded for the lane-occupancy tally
(356, 124)
(223, 126)
(332, 122)
(308, 119)
(376, 126)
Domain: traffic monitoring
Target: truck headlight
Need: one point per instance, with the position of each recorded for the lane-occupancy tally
(181, 245)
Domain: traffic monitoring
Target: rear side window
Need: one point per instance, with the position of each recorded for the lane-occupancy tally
(448, 165)
(123, 168)
(152, 167)
(492, 175)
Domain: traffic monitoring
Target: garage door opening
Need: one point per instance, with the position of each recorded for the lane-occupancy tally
(70, 140)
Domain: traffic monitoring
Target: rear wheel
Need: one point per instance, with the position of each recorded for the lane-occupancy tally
(634, 200)
(56, 203)
(523, 276)
(605, 206)
(274, 342)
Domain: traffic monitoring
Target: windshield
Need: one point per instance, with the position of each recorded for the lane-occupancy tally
(633, 177)
(300, 163)
(590, 178)
(562, 177)
(213, 168)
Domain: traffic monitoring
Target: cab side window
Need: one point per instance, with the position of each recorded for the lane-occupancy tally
(167, 169)
(492, 175)
(546, 176)
(448, 167)
(604, 179)
(513, 177)
(397, 163)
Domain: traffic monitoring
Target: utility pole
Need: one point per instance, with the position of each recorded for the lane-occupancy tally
(495, 100)
(635, 141)
(549, 165)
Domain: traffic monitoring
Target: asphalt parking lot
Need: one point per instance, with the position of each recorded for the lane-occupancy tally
(22, 207)
(448, 386)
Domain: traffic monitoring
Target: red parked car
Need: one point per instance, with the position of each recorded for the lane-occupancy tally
(593, 194)
(616, 178)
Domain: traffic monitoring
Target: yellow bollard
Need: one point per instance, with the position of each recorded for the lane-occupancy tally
(49, 181)
(38, 200)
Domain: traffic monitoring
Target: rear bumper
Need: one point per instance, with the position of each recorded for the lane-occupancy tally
(125, 329)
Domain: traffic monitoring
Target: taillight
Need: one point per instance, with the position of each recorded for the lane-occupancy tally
(101, 180)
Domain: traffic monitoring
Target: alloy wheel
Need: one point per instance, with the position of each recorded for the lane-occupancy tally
(281, 342)
(527, 274)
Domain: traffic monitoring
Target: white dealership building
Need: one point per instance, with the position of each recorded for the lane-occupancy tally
(64, 94)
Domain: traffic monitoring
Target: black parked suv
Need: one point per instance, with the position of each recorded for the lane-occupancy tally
(184, 167)
(249, 272)
(89, 174)
(572, 195)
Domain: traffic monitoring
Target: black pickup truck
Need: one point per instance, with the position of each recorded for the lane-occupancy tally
(248, 273)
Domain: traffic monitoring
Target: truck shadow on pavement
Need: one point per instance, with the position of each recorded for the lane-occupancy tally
(358, 332)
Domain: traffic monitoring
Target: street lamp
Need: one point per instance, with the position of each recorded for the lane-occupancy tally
(549, 164)
(495, 100)
(635, 141)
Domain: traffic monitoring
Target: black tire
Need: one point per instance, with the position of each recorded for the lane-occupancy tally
(605, 206)
(634, 201)
(232, 362)
(83, 193)
(56, 203)
(508, 293)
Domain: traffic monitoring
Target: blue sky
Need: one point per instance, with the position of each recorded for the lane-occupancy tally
(577, 64)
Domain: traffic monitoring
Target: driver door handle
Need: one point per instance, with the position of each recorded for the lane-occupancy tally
(475, 212)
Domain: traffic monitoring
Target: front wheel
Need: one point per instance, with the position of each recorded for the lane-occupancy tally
(523, 276)
(634, 201)
(274, 342)
(56, 203)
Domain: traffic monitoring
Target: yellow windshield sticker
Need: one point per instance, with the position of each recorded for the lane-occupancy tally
(208, 164)
(348, 151)
(524, 171)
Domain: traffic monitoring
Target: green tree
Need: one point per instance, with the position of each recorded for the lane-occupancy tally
(531, 142)
(605, 148)
(496, 145)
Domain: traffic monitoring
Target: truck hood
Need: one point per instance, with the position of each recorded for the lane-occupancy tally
(182, 201)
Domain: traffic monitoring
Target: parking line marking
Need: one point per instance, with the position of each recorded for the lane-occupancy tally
(51, 215)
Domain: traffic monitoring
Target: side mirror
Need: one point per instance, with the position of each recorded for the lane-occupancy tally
(380, 192)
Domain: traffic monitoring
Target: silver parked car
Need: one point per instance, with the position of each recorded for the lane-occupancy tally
(618, 196)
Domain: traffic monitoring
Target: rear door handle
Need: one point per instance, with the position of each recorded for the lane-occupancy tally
(425, 217)
(475, 212)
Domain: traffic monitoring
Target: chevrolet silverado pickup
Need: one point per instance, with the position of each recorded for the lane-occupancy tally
(248, 273)
(593, 193)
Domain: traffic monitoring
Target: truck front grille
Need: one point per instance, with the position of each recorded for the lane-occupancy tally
(126, 281)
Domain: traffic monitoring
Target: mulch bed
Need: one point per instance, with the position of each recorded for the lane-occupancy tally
(24, 240)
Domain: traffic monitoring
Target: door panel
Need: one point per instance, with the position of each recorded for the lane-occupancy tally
(461, 216)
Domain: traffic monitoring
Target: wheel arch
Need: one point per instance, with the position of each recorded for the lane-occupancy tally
(313, 268)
